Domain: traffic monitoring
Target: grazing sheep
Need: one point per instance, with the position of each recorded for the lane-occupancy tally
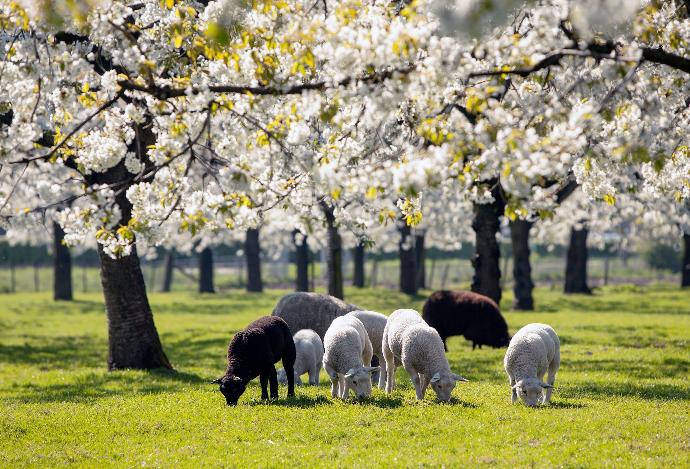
(374, 323)
(474, 316)
(309, 357)
(305, 310)
(409, 341)
(533, 350)
(348, 348)
(253, 352)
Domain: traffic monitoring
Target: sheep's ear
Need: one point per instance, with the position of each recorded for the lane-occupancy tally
(350, 373)
(546, 386)
(436, 377)
(372, 369)
(459, 378)
(216, 381)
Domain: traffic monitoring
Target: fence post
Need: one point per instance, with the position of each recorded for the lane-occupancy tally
(431, 274)
(13, 280)
(84, 279)
(37, 286)
(444, 277)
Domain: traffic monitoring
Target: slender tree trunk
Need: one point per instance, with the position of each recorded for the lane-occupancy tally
(358, 258)
(133, 340)
(420, 253)
(206, 271)
(62, 266)
(685, 277)
(522, 270)
(408, 260)
(334, 255)
(487, 254)
(576, 263)
(252, 252)
(301, 261)
(168, 269)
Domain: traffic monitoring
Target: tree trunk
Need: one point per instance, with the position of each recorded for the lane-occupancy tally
(168, 269)
(420, 254)
(576, 263)
(487, 253)
(206, 271)
(133, 340)
(685, 277)
(334, 255)
(522, 270)
(301, 261)
(358, 258)
(408, 261)
(62, 266)
(252, 252)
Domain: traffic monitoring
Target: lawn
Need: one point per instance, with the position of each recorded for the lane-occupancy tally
(622, 395)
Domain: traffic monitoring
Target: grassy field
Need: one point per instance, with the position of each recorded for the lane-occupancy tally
(622, 396)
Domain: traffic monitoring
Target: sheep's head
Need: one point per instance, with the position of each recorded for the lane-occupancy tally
(359, 380)
(443, 384)
(530, 391)
(232, 387)
(501, 341)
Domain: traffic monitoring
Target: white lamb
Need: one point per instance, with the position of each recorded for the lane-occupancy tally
(348, 348)
(533, 350)
(410, 341)
(375, 323)
(309, 357)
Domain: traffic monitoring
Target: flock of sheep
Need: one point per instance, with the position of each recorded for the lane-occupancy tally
(358, 347)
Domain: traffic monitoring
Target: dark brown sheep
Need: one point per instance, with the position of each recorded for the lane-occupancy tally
(253, 352)
(474, 316)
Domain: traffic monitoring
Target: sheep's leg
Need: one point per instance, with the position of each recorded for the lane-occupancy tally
(553, 368)
(335, 392)
(314, 375)
(414, 376)
(273, 381)
(382, 374)
(390, 367)
(263, 379)
(344, 389)
(513, 392)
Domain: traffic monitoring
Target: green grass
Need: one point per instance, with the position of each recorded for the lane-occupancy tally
(622, 395)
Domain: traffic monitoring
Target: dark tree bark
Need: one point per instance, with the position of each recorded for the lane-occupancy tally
(168, 269)
(301, 261)
(358, 258)
(408, 260)
(252, 251)
(206, 271)
(420, 253)
(522, 270)
(334, 254)
(685, 277)
(576, 263)
(62, 266)
(487, 253)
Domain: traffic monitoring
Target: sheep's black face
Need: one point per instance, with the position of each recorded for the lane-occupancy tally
(232, 388)
(502, 342)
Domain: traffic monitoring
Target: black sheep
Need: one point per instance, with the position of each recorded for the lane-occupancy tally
(253, 352)
(474, 316)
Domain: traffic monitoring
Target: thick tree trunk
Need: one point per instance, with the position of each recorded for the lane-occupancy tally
(576, 263)
(334, 255)
(487, 253)
(685, 277)
(420, 254)
(522, 270)
(206, 271)
(62, 266)
(133, 340)
(358, 260)
(301, 261)
(252, 251)
(408, 260)
(168, 269)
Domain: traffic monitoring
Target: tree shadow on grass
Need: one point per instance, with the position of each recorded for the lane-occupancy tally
(651, 391)
(57, 352)
(91, 386)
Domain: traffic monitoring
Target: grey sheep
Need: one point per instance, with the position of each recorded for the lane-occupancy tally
(533, 350)
(306, 310)
(348, 353)
(309, 357)
(411, 342)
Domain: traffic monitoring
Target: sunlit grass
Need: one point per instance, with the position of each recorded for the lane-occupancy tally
(622, 395)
